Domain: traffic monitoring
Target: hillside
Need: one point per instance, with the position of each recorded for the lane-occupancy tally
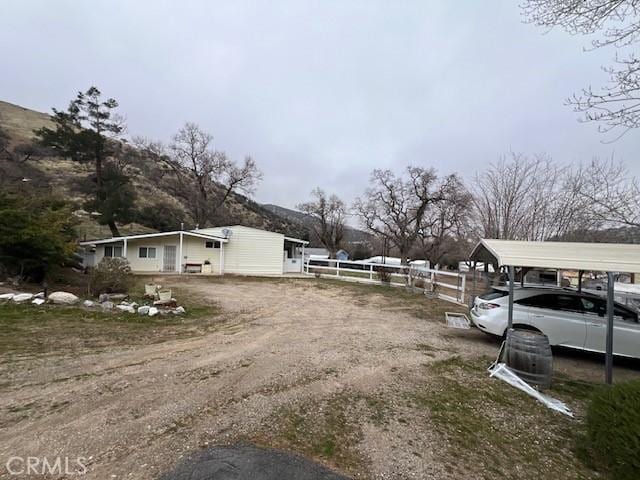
(157, 208)
(352, 235)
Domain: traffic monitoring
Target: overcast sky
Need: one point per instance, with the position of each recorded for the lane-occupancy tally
(319, 93)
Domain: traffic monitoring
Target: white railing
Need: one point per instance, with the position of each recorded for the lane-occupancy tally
(448, 286)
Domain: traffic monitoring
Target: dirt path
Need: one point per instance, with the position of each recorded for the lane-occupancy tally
(135, 412)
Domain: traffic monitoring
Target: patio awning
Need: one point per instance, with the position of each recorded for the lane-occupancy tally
(600, 257)
(152, 235)
(296, 240)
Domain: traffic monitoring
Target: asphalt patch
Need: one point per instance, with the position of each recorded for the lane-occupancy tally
(247, 462)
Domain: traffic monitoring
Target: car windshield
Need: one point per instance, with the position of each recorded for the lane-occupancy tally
(494, 294)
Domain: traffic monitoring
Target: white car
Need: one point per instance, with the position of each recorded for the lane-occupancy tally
(568, 318)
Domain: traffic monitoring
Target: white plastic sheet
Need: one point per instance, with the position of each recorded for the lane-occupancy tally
(505, 374)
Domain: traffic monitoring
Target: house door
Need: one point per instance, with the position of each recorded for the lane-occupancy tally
(169, 258)
(291, 265)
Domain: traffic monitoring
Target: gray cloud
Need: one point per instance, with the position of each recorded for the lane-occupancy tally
(319, 93)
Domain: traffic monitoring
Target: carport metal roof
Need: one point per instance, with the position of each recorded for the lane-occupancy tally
(607, 257)
(600, 257)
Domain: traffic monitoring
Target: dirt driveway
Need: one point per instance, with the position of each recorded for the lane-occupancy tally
(371, 384)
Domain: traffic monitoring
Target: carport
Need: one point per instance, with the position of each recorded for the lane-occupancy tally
(598, 257)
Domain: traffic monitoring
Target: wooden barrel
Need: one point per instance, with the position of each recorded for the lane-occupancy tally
(528, 354)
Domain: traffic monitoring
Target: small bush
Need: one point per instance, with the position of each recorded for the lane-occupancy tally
(111, 275)
(613, 430)
(384, 274)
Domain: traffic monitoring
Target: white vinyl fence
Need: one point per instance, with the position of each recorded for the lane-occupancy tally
(448, 286)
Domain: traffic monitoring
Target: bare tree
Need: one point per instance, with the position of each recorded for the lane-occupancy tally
(329, 214)
(395, 207)
(527, 198)
(204, 178)
(610, 193)
(447, 223)
(617, 104)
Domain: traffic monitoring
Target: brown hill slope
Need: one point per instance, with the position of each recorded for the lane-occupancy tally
(157, 206)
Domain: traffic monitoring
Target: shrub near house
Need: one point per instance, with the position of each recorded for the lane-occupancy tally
(111, 275)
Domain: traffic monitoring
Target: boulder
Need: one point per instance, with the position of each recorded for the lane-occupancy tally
(88, 303)
(63, 298)
(6, 296)
(126, 308)
(107, 305)
(38, 301)
(180, 311)
(143, 310)
(153, 311)
(22, 297)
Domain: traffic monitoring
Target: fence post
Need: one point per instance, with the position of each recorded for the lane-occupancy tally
(371, 271)
(464, 281)
(337, 268)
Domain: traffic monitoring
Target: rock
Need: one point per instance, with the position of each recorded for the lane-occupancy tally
(143, 310)
(180, 311)
(126, 308)
(22, 297)
(63, 298)
(107, 305)
(153, 311)
(117, 296)
(88, 303)
(6, 296)
(38, 301)
(110, 297)
(39, 295)
(133, 304)
(166, 303)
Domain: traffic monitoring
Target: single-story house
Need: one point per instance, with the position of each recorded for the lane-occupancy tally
(234, 249)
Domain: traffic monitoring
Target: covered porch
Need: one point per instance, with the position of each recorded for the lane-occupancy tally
(177, 252)
(293, 257)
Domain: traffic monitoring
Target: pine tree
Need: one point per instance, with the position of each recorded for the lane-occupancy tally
(88, 132)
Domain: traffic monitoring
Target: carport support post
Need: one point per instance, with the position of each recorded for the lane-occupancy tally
(580, 275)
(608, 362)
(512, 278)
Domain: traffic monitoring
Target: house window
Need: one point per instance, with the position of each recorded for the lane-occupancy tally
(147, 252)
(210, 244)
(112, 251)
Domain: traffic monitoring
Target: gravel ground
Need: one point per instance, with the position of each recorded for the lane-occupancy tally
(290, 363)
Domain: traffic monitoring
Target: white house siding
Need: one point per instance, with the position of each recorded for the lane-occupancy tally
(251, 251)
(149, 264)
(194, 251)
